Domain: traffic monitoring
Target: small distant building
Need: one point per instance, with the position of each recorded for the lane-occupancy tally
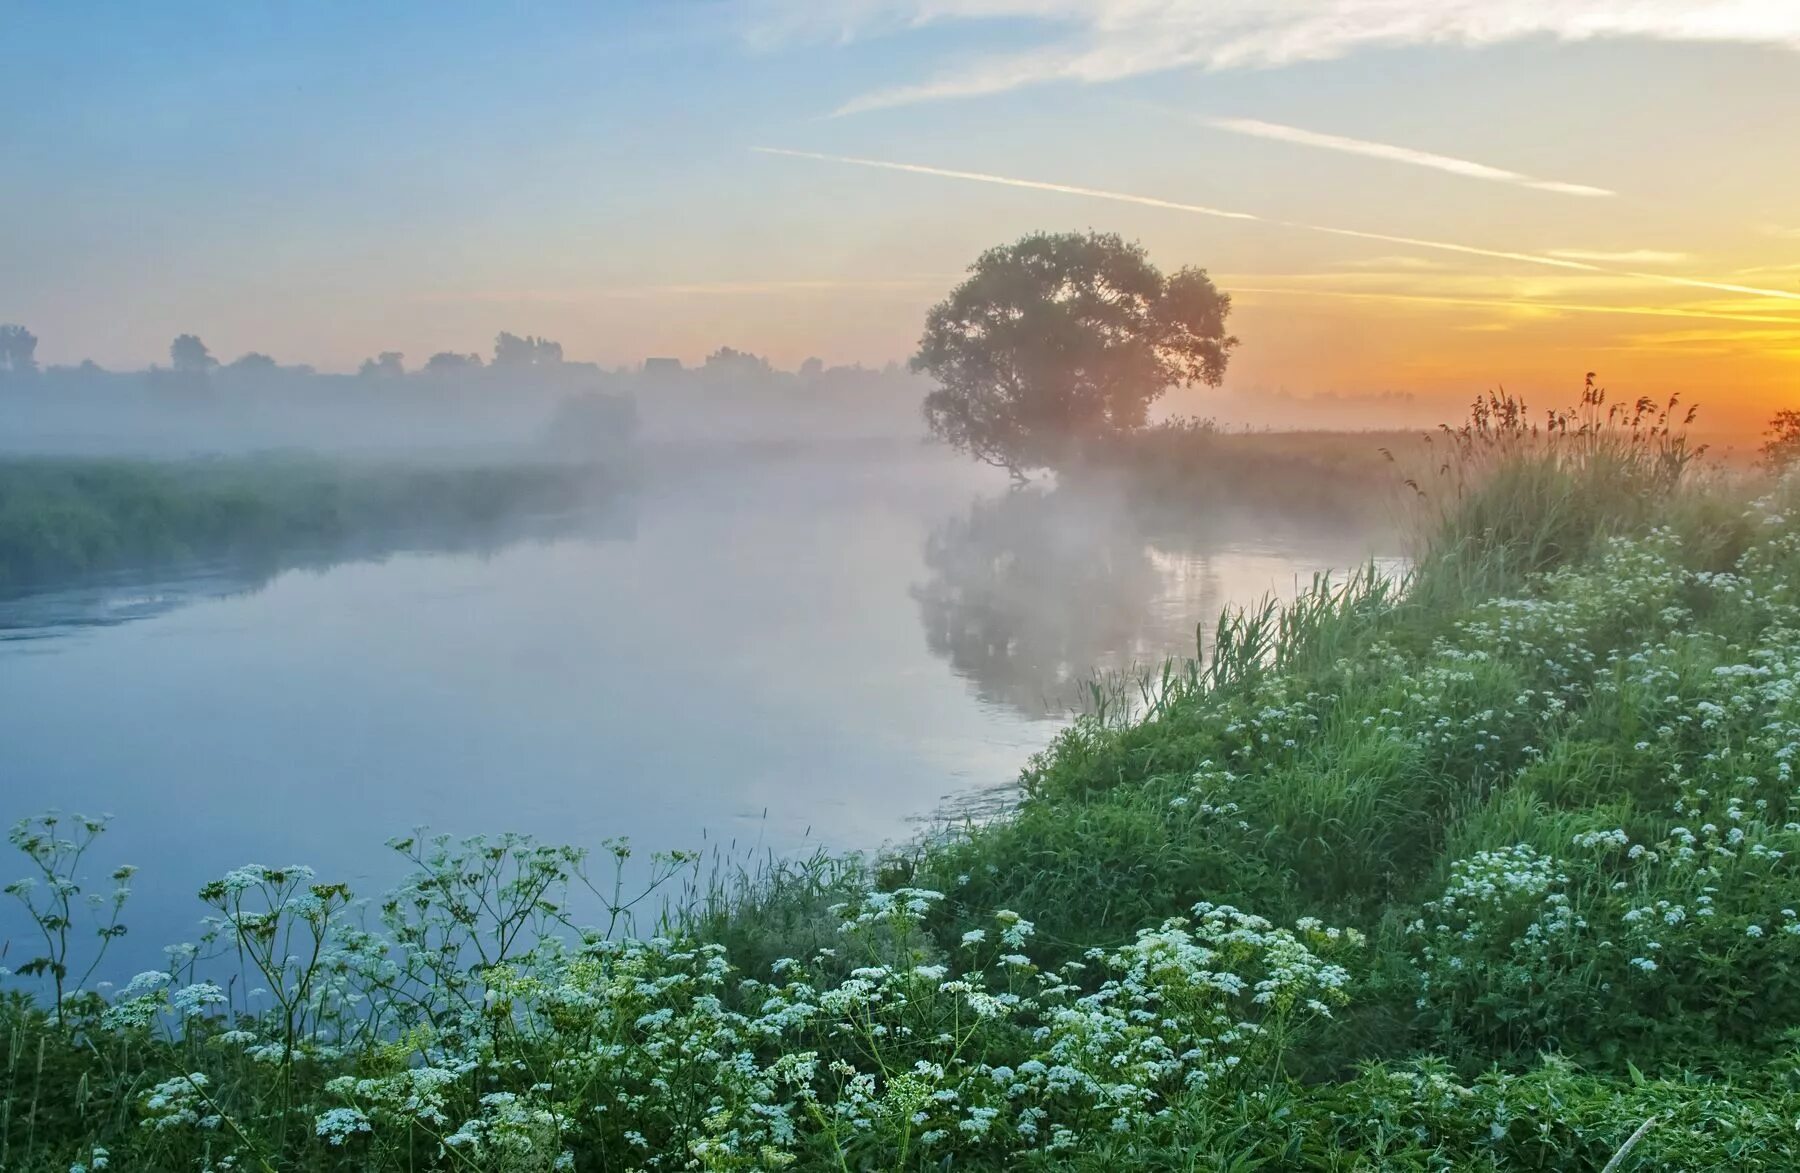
(662, 367)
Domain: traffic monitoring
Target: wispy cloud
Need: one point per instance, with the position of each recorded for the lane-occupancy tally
(1226, 214)
(1755, 338)
(1475, 281)
(742, 288)
(1005, 181)
(686, 289)
(1256, 128)
(1538, 308)
(1399, 262)
(1635, 256)
(1093, 41)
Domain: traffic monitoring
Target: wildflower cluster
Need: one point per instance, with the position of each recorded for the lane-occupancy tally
(1565, 809)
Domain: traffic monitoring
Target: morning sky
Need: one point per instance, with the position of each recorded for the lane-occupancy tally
(1431, 196)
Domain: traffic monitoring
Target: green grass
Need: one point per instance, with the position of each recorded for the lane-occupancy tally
(1308, 477)
(1524, 830)
(65, 519)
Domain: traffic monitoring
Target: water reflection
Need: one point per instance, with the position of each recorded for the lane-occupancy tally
(106, 600)
(748, 666)
(1034, 592)
(1029, 591)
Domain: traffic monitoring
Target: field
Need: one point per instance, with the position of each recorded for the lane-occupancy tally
(1491, 869)
(65, 519)
(1334, 477)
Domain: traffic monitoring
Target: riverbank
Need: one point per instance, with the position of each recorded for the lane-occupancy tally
(1319, 477)
(66, 519)
(1513, 846)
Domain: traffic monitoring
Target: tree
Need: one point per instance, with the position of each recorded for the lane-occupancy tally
(1782, 447)
(812, 368)
(389, 364)
(1063, 338)
(18, 351)
(253, 361)
(446, 361)
(189, 356)
(740, 363)
(510, 350)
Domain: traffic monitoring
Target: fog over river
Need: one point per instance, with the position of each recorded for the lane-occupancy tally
(781, 650)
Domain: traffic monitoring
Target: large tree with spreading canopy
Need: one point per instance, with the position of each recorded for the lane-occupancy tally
(1063, 338)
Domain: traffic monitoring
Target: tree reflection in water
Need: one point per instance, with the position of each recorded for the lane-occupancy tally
(1034, 593)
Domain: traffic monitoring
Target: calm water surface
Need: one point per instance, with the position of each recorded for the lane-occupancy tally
(776, 652)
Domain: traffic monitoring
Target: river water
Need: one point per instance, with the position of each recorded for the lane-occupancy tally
(780, 651)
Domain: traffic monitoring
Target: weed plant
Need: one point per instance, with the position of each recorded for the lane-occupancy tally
(1493, 868)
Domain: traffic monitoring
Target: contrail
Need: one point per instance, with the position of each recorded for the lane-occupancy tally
(1033, 184)
(1225, 214)
(1648, 311)
(1466, 168)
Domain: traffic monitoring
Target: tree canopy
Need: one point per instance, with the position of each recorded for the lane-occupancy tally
(446, 361)
(18, 350)
(1062, 338)
(189, 356)
(389, 364)
(510, 350)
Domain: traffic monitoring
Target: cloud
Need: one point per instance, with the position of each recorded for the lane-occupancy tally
(1521, 307)
(1221, 213)
(1399, 262)
(751, 288)
(1714, 337)
(1093, 41)
(1397, 154)
(1005, 181)
(1521, 284)
(1636, 256)
(686, 289)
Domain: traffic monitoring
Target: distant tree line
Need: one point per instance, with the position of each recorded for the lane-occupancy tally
(192, 361)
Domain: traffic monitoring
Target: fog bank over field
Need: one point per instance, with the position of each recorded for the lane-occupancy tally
(527, 400)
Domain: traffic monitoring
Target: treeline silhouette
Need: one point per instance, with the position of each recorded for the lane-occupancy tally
(191, 360)
(525, 391)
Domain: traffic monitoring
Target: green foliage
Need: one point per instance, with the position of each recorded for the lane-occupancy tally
(1511, 495)
(1548, 811)
(478, 1029)
(1337, 478)
(65, 518)
(53, 898)
(1059, 339)
(1783, 444)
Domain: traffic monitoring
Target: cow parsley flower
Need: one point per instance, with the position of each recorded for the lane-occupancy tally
(340, 1124)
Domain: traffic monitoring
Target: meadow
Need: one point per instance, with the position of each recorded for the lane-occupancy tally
(1490, 868)
(65, 519)
(1336, 477)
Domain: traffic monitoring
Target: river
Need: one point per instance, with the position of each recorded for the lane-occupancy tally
(779, 651)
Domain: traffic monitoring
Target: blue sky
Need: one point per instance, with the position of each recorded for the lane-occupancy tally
(324, 181)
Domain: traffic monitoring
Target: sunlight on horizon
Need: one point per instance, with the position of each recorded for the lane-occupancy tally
(1413, 219)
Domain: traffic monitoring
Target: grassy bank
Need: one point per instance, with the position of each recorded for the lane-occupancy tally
(1492, 869)
(63, 519)
(1355, 478)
